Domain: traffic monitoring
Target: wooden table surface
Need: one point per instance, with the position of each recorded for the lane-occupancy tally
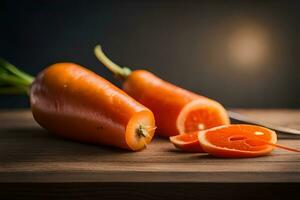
(32, 158)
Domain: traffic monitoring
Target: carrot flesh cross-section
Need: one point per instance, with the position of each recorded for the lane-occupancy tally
(187, 142)
(234, 141)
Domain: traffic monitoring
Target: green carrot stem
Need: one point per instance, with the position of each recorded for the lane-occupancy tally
(120, 72)
(13, 80)
(14, 70)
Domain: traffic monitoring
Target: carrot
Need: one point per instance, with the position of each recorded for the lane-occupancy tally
(239, 140)
(236, 140)
(176, 110)
(75, 103)
(187, 142)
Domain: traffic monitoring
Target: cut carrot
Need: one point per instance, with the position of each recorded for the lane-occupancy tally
(187, 142)
(238, 141)
(176, 110)
(225, 141)
(200, 115)
(76, 103)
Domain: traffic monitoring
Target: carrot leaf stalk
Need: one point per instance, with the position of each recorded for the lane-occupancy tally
(13, 80)
(120, 72)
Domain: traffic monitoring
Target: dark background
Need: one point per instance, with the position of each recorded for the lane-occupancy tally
(241, 53)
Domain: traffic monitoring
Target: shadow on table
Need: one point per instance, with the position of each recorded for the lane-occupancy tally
(23, 144)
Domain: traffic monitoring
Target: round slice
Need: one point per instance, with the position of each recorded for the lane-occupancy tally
(187, 142)
(237, 141)
(200, 115)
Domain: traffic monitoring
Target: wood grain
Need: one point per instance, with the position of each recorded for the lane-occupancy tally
(30, 155)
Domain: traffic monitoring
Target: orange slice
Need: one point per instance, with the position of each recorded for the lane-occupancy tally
(200, 115)
(237, 141)
(187, 142)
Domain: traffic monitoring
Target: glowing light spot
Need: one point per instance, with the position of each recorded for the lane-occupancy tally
(201, 127)
(258, 133)
(249, 47)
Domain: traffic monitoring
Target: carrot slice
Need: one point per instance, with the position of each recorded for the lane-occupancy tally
(187, 142)
(176, 110)
(237, 141)
(230, 141)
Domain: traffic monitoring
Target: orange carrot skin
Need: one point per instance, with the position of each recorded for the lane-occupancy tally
(76, 103)
(164, 99)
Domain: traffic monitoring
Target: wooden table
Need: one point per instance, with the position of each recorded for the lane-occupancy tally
(34, 163)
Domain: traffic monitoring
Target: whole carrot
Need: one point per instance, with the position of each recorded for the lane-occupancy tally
(73, 102)
(176, 110)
